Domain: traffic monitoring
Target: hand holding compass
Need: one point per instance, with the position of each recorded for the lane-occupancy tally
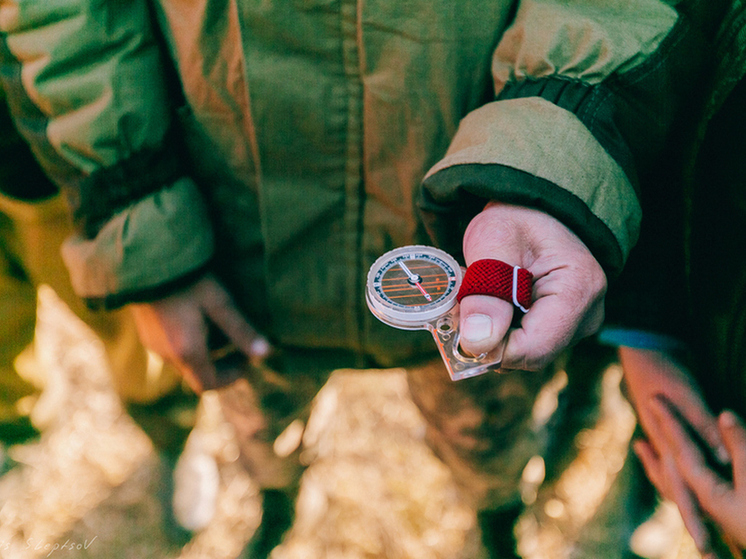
(569, 286)
(417, 288)
(566, 300)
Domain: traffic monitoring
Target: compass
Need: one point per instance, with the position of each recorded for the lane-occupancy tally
(414, 288)
(411, 285)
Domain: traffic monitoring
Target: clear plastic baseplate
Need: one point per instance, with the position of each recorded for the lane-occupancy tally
(445, 332)
(460, 366)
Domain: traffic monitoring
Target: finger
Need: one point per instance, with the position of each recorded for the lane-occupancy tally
(694, 410)
(197, 367)
(652, 466)
(652, 429)
(649, 422)
(709, 489)
(484, 321)
(687, 505)
(713, 494)
(734, 437)
(686, 399)
(221, 309)
(549, 326)
(187, 349)
(678, 442)
(687, 453)
(677, 387)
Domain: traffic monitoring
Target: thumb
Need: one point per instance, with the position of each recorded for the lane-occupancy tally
(484, 322)
(484, 319)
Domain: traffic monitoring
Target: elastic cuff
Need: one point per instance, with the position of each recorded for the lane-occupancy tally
(593, 105)
(529, 151)
(109, 190)
(116, 300)
(153, 243)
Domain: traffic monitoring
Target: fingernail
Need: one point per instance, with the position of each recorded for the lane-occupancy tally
(477, 328)
(260, 348)
(728, 419)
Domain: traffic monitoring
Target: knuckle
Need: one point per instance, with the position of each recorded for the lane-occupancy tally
(597, 280)
(185, 351)
(218, 297)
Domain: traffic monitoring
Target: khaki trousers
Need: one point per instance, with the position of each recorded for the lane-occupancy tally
(30, 237)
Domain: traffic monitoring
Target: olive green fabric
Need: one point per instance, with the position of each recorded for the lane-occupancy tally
(103, 107)
(696, 193)
(717, 230)
(490, 135)
(112, 263)
(546, 39)
(307, 132)
(730, 58)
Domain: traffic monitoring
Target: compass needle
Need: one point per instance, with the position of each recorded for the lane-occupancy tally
(415, 280)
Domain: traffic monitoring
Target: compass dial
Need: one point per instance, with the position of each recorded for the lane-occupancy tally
(410, 286)
(415, 288)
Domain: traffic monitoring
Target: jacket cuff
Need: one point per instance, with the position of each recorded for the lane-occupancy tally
(108, 190)
(158, 241)
(531, 152)
(641, 339)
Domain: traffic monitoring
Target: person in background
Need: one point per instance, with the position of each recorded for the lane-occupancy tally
(689, 477)
(234, 169)
(34, 221)
(682, 344)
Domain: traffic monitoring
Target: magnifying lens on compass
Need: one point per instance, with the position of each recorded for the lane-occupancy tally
(415, 288)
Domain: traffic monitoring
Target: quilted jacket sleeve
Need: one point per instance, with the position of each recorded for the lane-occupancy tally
(587, 95)
(85, 79)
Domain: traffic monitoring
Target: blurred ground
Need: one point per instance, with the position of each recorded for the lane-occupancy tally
(93, 487)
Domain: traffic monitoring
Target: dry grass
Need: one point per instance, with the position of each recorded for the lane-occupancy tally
(93, 485)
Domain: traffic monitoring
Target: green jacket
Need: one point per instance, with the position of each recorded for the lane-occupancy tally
(284, 144)
(716, 235)
(697, 193)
